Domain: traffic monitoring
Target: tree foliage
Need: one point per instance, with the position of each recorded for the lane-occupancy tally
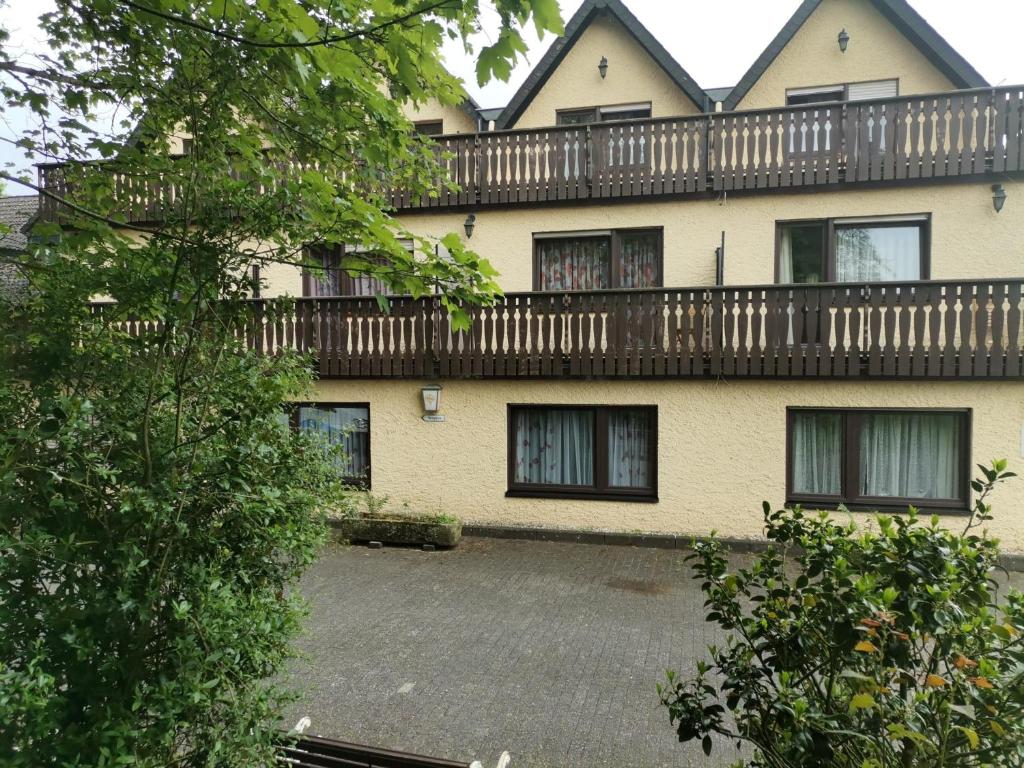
(154, 511)
(853, 648)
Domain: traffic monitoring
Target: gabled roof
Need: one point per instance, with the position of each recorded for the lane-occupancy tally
(590, 10)
(901, 15)
(16, 211)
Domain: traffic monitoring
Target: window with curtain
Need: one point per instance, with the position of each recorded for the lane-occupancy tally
(344, 424)
(582, 452)
(879, 458)
(325, 277)
(853, 251)
(597, 260)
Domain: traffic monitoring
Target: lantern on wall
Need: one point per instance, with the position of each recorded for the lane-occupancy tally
(469, 225)
(603, 66)
(998, 197)
(431, 398)
(844, 40)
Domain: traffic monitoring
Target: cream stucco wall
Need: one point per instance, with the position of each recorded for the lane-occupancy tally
(877, 51)
(455, 119)
(633, 76)
(968, 238)
(721, 447)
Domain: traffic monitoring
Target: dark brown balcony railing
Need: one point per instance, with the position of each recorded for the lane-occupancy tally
(899, 139)
(936, 329)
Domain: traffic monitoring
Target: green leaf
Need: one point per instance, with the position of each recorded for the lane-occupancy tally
(862, 701)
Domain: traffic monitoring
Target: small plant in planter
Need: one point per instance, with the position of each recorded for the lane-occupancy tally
(364, 518)
(860, 649)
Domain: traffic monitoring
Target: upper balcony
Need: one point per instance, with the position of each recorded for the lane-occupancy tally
(919, 330)
(904, 139)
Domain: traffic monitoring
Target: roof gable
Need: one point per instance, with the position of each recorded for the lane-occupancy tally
(587, 13)
(901, 15)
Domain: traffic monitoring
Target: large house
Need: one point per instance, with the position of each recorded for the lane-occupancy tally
(806, 288)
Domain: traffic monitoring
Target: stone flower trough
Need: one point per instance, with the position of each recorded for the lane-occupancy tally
(398, 529)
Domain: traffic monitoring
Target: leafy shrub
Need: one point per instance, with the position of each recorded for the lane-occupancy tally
(860, 648)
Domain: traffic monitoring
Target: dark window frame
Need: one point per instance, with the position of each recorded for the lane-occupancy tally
(600, 491)
(922, 221)
(833, 87)
(849, 495)
(596, 113)
(426, 127)
(343, 279)
(293, 421)
(614, 253)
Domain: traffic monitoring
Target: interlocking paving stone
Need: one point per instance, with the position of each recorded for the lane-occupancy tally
(549, 650)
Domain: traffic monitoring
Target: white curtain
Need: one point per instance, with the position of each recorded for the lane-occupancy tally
(629, 440)
(873, 254)
(817, 453)
(554, 447)
(785, 255)
(910, 455)
(345, 426)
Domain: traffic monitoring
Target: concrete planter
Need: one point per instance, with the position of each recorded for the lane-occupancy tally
(396, 530)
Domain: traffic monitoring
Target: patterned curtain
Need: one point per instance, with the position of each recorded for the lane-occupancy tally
(574, 263)
(348, 427)
(629, 441)
(639, 260)
(817, 453)
(554, 447)
(910, 455)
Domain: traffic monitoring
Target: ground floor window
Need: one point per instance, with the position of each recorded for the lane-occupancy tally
(879, 458)
(583, 451)
(344, 424)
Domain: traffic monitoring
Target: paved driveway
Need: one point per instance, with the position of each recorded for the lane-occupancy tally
(548, 650)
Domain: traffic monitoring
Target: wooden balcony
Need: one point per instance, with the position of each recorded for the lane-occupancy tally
(905, 139)
(920, 330)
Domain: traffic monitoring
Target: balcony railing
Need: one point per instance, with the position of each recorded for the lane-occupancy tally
(936, 329)
(899, 139)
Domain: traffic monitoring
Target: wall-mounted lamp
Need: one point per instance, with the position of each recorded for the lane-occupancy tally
(469, 224)
(603, 66)
(998, 197)
(844, 40)
(431, 398)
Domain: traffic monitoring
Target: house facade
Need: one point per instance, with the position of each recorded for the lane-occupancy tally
(806, 288)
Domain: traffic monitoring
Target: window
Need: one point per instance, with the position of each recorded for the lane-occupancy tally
(893, 248)
(583, 451)
(587, 261)
(602, 114)
(819, 94)
(429, 127)
(344, 424)
(878, 458)
(326, 277)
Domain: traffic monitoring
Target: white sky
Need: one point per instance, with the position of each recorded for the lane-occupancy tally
(714, 41)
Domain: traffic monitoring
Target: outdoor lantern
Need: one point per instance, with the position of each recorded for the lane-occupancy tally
(603, 66)
(844, 40)
(998, 197)
(431, 398)
(469, 224)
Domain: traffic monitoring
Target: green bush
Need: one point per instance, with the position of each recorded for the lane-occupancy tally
(860, 648)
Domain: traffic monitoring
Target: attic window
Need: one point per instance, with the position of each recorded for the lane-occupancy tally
(429, 127)
(603, 114)
(871, 89)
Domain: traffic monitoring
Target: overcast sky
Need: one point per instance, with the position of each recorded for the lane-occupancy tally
(714, 41)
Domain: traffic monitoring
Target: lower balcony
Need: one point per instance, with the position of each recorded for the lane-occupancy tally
(934, 329)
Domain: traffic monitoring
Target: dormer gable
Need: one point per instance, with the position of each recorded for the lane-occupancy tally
(640, 72)
(888, 40)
